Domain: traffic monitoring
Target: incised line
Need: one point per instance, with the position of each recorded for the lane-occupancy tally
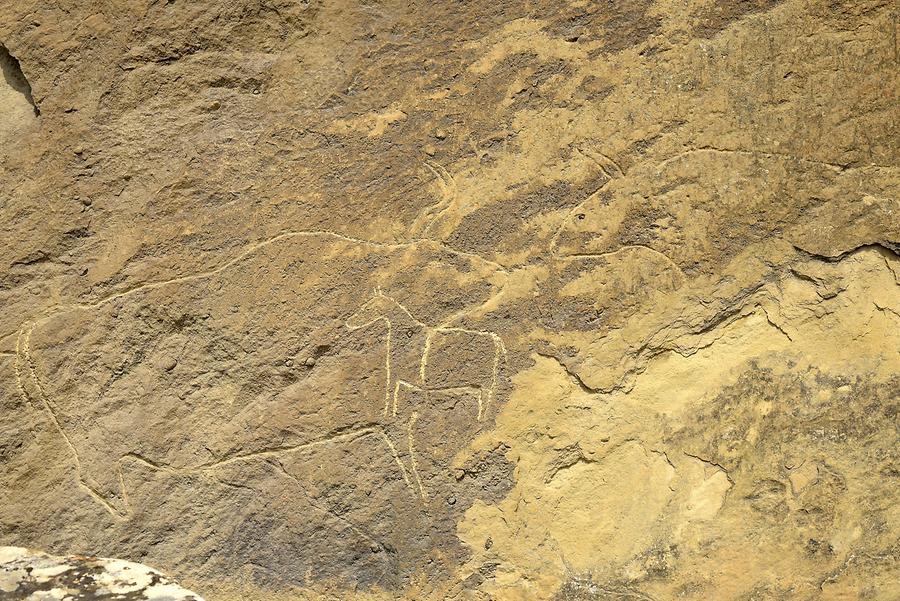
(412, 452)
(351, 524)
(448, 190)
(588, 256)
(763, 153)
(25, 348)
(23, 351)
(253, 249)
(430, 333)
(617, 173)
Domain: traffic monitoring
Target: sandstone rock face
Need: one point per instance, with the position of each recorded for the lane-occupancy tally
(370, 299)
(34, 576)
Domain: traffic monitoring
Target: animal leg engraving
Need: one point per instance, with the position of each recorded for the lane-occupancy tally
(18, 365)
(352, 325)
(423, 364)
(499, 353)
(414, 416)
(396, 456)
(114, 482)
(387, 305)
(402, 385)
(485, 393)
(398, 320)
(387, 369)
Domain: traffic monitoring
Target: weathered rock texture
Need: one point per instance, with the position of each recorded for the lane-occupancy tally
(34, 576)
(441, 300)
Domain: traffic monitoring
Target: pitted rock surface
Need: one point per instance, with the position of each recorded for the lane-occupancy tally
(496, 299)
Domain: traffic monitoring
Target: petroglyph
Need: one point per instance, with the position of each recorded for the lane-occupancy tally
(253, 249)
(389, 433)
(25, 360)
(609, 237)
(407, 362)
(413, 353)
(609, 168)
(432, 214)
(768, 154)
(607, 165)
(640, 247)
(25, 357)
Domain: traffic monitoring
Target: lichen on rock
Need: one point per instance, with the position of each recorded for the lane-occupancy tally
(29, 575)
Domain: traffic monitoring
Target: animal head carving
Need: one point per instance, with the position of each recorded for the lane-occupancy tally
(379, 306)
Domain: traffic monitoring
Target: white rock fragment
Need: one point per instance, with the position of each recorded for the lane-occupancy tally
(42, 577)
(121, 577)
(54, 594)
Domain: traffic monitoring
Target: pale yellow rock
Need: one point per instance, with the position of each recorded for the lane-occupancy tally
(803, 476)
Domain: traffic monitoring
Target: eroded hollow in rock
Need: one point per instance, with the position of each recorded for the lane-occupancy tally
(15, 84)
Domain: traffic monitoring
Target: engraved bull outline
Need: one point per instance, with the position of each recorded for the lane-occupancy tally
(383, 308)
(26, 367)
(27, 376)
(26, 370)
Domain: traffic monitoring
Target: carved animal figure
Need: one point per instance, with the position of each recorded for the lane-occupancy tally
(288, 421)
(419, 360)
(441, 358)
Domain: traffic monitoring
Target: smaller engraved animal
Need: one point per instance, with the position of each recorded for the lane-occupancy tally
(440, 358)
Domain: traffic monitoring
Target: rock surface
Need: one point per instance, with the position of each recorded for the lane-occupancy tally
(34, 576)
(435, 300)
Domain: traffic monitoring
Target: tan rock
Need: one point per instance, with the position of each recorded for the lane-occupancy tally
(803, 477)
(509, 300)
